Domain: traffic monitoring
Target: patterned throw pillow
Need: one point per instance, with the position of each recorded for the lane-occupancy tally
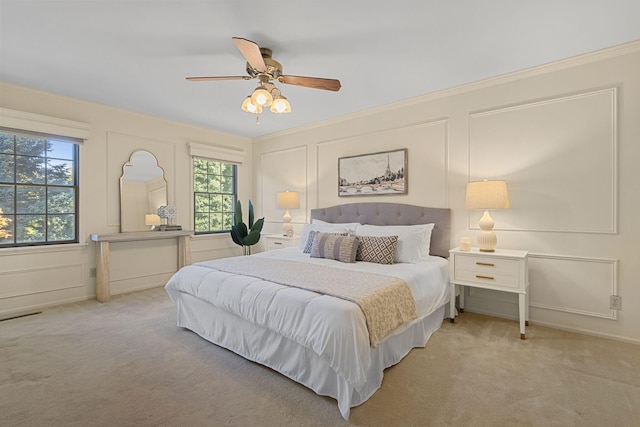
(307, 247)
(380, 250)
(312, 235)
(335, 246)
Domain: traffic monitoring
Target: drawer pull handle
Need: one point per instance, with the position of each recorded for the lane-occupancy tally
(487, 264)
(484, 277)
(277, 243)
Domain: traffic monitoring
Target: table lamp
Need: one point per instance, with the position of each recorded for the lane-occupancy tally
(287, 200)
(487, 195)
(153, 220)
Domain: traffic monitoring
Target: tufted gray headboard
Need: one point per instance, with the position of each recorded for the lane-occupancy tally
(394, 214)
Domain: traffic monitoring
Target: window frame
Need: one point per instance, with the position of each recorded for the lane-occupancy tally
(75, 146)
(234, 193)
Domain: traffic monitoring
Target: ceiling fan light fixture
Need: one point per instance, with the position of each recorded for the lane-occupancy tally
(261, 65)
(250, 107)
(280, 105)
(262, 97)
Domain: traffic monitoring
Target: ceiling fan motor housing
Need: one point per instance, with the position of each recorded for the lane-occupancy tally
(274, 68)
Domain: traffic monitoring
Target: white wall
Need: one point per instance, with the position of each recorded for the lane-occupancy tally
(565, 137)
(37, 277)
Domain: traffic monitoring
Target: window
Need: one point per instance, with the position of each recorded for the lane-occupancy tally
(38, 189)
(215, 195)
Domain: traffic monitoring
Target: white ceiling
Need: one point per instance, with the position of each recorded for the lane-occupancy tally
(135, 55)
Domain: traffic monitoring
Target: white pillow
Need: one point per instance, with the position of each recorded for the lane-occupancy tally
(351, 226)
(414, 241)
(324, 227)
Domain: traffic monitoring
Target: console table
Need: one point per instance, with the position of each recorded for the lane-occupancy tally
(103, 274)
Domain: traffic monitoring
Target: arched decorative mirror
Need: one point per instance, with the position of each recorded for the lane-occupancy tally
(142, 190)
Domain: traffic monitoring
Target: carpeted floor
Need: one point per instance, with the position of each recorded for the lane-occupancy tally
(126, 364)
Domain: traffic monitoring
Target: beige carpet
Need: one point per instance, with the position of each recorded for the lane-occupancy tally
(126, 364)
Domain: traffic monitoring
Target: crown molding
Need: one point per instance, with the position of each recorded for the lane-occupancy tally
(574, 61)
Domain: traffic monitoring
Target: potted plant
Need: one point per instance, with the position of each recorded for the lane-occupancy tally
(243, 235)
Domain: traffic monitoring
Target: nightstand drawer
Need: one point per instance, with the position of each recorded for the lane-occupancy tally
(487, 265)
(275, 241)
(503, 270)
(276, 244)
(494, 278)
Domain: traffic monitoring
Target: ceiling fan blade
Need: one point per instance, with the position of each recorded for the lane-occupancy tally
(204, 79)
(251, 52)
(313, 82)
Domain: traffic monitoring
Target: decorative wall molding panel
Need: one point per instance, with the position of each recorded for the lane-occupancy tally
(283, 170)
(119, 149)
(29, 281)
(427, 170)
(151, 257)
(209, 253)
(572, 284)
(139, 282)
(568, 284)
(559, 158)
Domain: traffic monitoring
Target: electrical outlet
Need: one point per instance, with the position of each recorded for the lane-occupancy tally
(615, 302)
(92, 272)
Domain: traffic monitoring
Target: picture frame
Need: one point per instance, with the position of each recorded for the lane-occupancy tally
(375, 174)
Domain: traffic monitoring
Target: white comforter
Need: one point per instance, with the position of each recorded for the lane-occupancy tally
(334, 329)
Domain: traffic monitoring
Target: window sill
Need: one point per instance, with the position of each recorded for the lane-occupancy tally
(29, 250)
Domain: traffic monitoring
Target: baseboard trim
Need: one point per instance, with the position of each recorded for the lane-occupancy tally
(559, 327)
(18, 315)
(588, 332)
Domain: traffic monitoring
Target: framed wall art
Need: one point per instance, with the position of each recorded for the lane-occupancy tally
(374, 174)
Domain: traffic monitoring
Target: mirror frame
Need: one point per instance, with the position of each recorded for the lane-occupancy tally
(137, 223)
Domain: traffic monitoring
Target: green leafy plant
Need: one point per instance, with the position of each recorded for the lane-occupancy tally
(4, 223)
(243, 235)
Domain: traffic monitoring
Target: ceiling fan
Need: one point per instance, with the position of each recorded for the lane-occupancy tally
(262, 66)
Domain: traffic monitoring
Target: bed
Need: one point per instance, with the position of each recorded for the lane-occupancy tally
(316, 339)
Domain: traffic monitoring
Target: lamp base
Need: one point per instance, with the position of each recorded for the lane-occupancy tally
(287, 229)
(486, 238)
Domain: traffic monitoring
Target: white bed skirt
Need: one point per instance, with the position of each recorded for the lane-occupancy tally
(268, 348)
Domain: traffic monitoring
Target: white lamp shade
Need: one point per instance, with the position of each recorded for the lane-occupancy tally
(487, 195)
(151, 219)
(288, 200)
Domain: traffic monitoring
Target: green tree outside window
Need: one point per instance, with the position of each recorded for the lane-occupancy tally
(38, 190)
(215, 194)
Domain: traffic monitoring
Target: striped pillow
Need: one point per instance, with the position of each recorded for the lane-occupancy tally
(312, 235)
(380, 249)
(335, 246)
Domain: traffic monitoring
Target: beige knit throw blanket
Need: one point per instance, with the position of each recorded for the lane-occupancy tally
(386, 301)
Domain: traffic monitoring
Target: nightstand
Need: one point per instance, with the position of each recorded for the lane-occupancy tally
(503, 270)
(277, 241)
